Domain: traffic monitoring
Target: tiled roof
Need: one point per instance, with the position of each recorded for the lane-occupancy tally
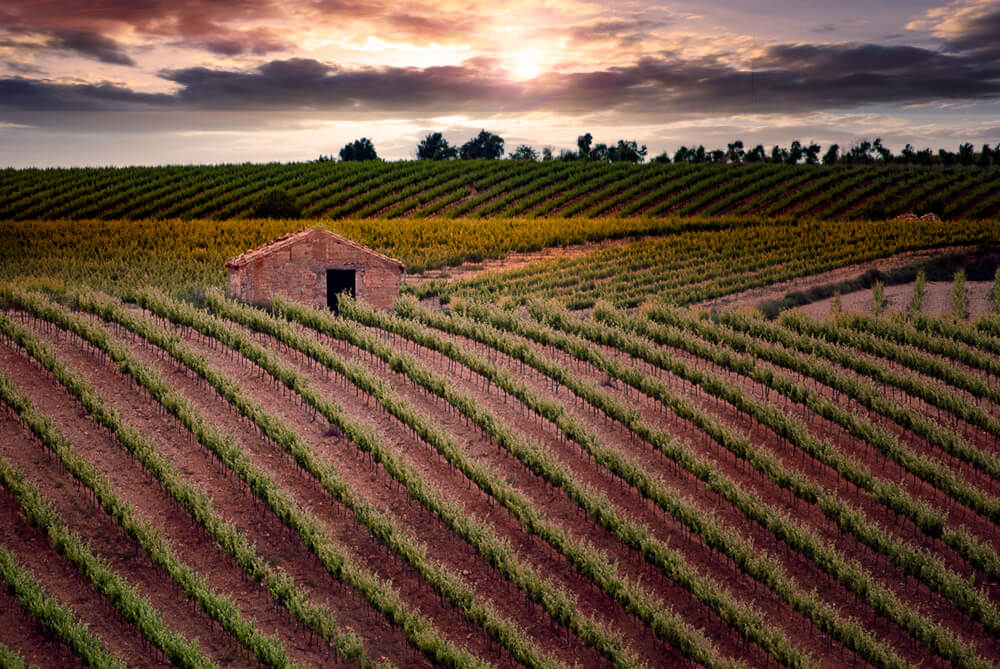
(293, 238)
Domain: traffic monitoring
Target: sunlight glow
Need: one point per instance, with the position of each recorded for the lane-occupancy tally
(525, 64)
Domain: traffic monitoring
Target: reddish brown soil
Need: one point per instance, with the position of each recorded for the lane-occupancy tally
(656, 464)
(767, 203)
(371, 484)
(61, 580)
(234, 502)
(888, 470)
(777, 291)
(23, 635)
(939, 610)
(79, 511)
(153, 505)
(378, 488)
(628, 503)
(472, 192)
(818, 522)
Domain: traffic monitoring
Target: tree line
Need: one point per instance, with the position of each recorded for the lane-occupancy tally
(489, 146)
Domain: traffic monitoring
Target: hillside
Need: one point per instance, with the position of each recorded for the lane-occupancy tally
(606, 458)
(482, 189)
(484, 488)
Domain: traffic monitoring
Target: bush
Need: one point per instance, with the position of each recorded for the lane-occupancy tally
(276, 203)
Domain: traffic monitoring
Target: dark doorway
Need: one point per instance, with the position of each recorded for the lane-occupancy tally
(338, 281)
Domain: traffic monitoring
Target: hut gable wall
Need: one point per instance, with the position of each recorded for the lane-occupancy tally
(295, 268)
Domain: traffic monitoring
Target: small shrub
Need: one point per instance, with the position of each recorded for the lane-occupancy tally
(276, 203)
(835, 307)
(919, 289)
(995, 293)
(958, 297)
(878, 298)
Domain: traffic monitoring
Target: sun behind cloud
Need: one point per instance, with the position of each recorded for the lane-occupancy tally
(525, 64)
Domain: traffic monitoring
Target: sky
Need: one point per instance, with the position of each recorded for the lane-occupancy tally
(149, 82)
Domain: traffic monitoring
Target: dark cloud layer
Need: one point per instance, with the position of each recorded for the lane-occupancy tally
(90, 45)
(21, 94)
(234, 43)
(788, 78)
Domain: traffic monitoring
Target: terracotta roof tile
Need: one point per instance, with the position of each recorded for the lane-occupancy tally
(292, 238)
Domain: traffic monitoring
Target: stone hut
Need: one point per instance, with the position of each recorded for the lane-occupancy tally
(313, 266)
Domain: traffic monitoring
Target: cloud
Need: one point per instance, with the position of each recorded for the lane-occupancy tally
(791, 78)
(423, 29)
(618, 30)
(259, 41)
(964, 25)
(91, 45)
(23, 68)
(22, 94)
(87, 27)
(841, 59)
(236, 27)
(306, 83)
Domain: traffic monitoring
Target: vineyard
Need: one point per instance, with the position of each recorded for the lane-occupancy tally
(569, 463)
(506, 482)
(500, 189)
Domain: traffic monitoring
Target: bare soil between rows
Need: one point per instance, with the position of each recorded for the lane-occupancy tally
(805, 572)
(234, 503)
(470, 270)
(776, 291)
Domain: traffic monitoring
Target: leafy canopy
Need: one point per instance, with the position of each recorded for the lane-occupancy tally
(359, 149)
(435, 147)
(485, 145)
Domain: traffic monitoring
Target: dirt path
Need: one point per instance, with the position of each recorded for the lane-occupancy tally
(515, 260)
(777, 291)
(938, 300)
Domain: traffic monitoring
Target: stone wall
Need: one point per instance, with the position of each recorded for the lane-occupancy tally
(298, 273)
